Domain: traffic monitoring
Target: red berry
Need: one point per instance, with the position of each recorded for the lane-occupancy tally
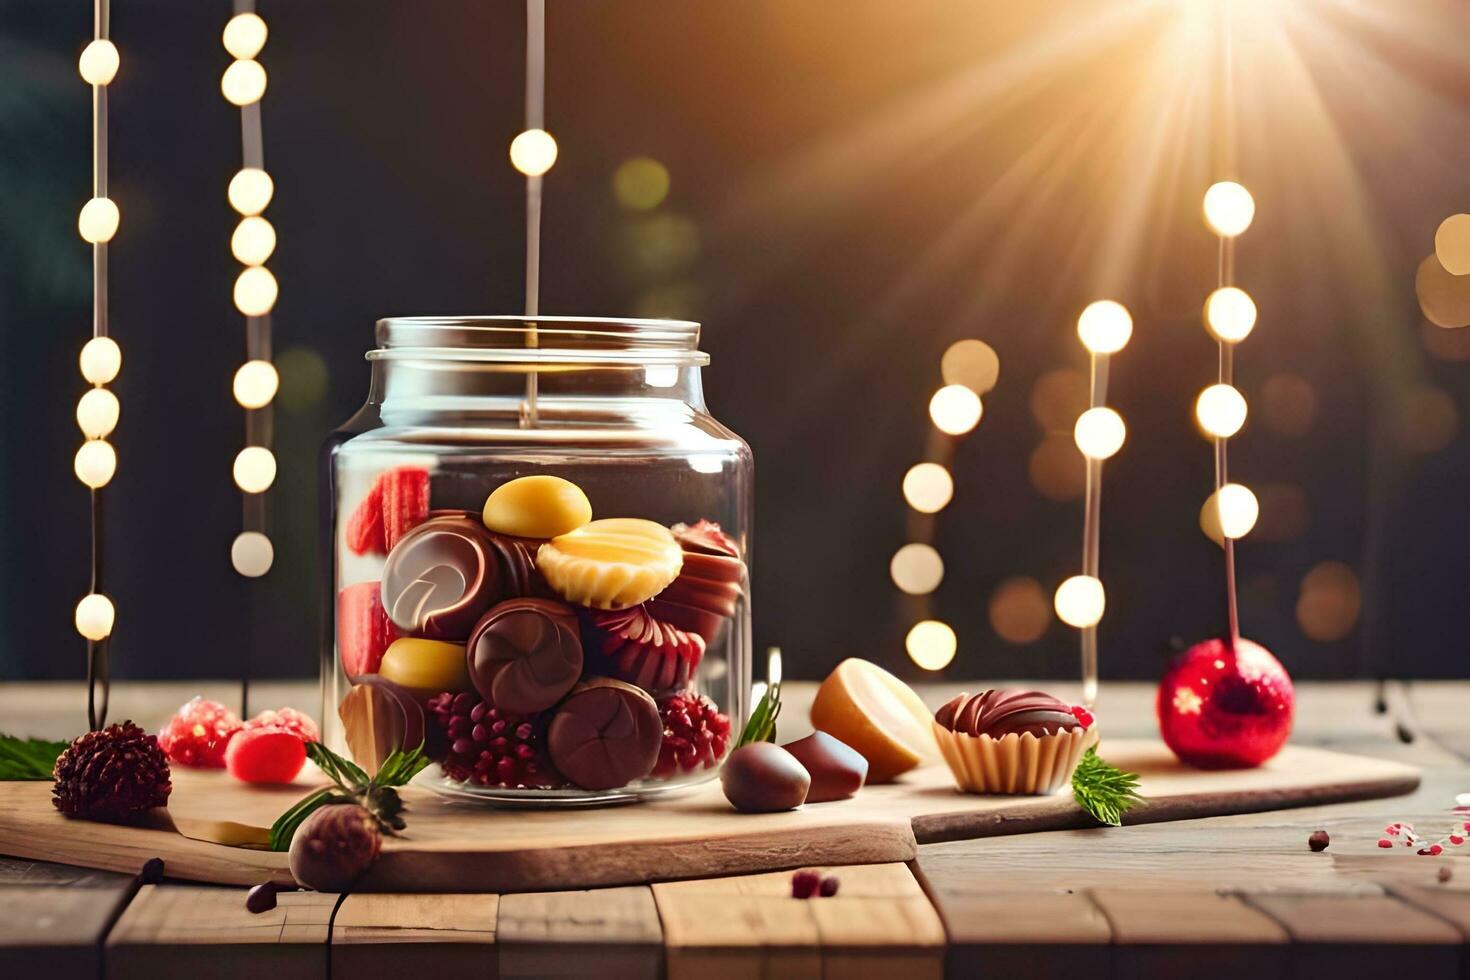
(198, 732)
(696, 735)
(829, 886)
(804, 884)
(491, 747)
(1385, 843)
(265, 755)
(405, 501)
(363, 628)
(1082, 715)
(365, 526)
(293, 721)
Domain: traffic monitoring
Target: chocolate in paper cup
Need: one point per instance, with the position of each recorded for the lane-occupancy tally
(1015, 764)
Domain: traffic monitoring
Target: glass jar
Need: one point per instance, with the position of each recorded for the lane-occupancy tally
(538, 540)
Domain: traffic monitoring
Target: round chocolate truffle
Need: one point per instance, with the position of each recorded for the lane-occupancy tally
(1001, 713)
(441, 577)
(606, 734)
(525, 654)
(762, 777)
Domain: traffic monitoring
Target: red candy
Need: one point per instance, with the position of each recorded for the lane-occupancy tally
(265, 755)
(398, 500)
(288, 719)
(197, 734)
(650, 654)
(363, 628)
(804, 884)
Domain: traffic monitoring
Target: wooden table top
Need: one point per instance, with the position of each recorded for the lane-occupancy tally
(1212, 897)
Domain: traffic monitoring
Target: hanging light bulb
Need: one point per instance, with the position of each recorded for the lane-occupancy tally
(1080, 601)
(101, 360)
(252, 554)
(1105, 326)
(1237, 510)
(1229, 208)
(95, 616)
(1099, 432)
(255, 469)
(533, 152)
(95, 463)
(1230, 314)
(244, 35)
(97, 413)
(1220, 411)
(250, 190)
(243, 83)
(256, 383)
(98, 220)
(255, 291)
(931, 644)
(928, 487)
(253, 241)
(98, 63)
(955, 409)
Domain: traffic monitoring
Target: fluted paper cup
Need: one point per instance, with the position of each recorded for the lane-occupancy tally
(1015, 764)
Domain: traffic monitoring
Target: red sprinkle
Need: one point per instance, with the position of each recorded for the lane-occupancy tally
(829, 886)
(804, 884)
(1456, 839)
(1385, 843)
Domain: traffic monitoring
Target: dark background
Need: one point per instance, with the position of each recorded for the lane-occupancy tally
(855, 186)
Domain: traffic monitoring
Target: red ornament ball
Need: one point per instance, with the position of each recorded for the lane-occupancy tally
(1224, 707)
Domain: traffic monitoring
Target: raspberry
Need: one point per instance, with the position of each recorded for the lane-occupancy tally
(365, 526)
(491, 747)
(644, 651)
(804, 884)
(198, 732)
(1082, 715)
(265, 755)
(405, 501)
(363, 628)
(695, 735)
(286, 719)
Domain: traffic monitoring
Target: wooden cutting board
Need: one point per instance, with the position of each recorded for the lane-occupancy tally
(452, 846)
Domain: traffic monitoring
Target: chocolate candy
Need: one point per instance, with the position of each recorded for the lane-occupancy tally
(441, 577)
(378, 718)
(1001, 713)
(425, 667)
(537, 507)
(655, 656)
(709, 584)
(525, 654)
(764, 778)
(612, 563)
(606, 734)
(836, 768)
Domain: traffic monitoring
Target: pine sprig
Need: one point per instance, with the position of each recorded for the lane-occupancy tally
(1103, 790)
(377, 794)
(28, 758)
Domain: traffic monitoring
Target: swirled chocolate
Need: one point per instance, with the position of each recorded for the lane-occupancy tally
(442, 577)
(1002, 713)
(525, 654)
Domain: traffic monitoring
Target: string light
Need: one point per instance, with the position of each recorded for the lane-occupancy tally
(100, 360)
(931, 644)
(1104, 327)
(955, 409)
(252, 243)
(1229, 208)
(928, 487)
(916, 568)
(533, 152)
(1220, 411)
(1230, 314)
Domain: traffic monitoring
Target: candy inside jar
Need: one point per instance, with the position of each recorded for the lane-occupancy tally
(555, 603)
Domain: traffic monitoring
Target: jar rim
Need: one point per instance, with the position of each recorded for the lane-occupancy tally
(584, 340)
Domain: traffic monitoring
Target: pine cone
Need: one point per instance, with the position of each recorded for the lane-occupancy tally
(111, 775)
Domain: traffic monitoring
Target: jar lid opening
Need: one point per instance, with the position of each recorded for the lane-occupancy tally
(540, 339)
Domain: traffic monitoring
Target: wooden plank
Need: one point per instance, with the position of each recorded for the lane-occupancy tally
(1363, 935)
(1450, 903)
(189, 930)
(1174, 932)
(394, 935)
(23, 871)
(879, 924)
(600, 933)
(56, 930)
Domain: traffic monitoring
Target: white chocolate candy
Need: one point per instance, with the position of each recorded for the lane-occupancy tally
(612, 563)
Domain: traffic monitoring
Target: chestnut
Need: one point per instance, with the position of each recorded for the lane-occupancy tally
(764, 778)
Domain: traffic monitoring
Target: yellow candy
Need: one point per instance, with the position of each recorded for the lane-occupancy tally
(426, 666)
(537, 507)
(612, 563)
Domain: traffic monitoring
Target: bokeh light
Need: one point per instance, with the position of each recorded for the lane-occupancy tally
(533, 152)
(1229, 208)
(1099, 432)
(1445, 345)
(95, 463)
(1288, 406)
(1220, 411)
(253, 240)
(255, 469)
(95, 616)
(255, 384)
(1080, 601)
(243, 83)
(244, 35)
(98, 220)
(250, 190)
(916, 569)
(1452, 244)
(660, 245)
(1056, 470)
(97, 413)
(972, 363)
(100, 360)
(1425, 418)
(1329, 602)
(1284, 513)
(931, 644)
(304, 378)
(641, 184)
(1104, 327)
(1058, 397)
(955, 409)
(928, 487)
(1444, 298)
(98, 63)
(1019, 610)
(255, 291)
(252, 554)
(1236, 510)
(1230, 314)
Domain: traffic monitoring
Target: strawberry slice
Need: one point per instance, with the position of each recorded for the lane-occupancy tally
(405, 501)
(365, 526)
(363, 628)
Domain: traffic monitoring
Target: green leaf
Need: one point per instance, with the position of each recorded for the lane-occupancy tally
(285, 826)
(400, 767)
(1103, 790)
(28, 758)
(342, 772)
(762, 724)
